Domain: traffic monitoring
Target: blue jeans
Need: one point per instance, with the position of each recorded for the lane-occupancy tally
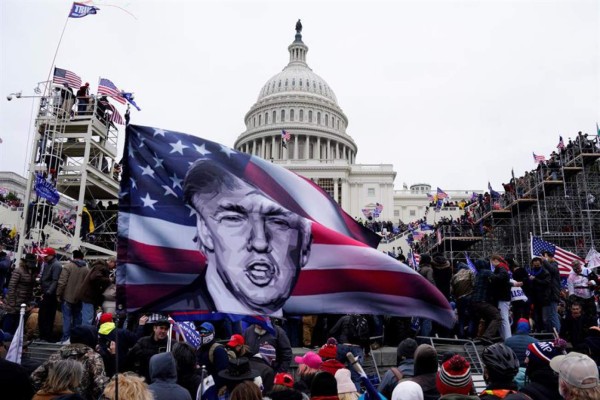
(426, 327)
(71, 318)
(342, 350)
(550, 317)
(87, 313)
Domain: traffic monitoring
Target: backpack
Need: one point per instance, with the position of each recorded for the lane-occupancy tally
(360, 327)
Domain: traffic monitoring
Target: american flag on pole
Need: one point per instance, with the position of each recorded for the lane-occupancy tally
(62, 76)
(115, 116)
(561, 144)
(441, 194)
(414, 259)
(106, 87)
(538, 159)
(162, 269)
(562, 256)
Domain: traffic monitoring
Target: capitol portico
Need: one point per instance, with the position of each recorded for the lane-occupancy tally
(301, 103)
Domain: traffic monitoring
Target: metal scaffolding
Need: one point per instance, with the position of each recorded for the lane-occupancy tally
(75, 152)
(556, 202)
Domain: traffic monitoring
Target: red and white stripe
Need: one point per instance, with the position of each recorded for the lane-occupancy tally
(342, 274)
(564, 259)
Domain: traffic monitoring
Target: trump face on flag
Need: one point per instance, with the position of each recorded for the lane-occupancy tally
(254, 247)
(203, 228)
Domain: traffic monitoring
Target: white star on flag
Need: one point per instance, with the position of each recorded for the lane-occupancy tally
(176, 181)
(227, 151)
(158, 162)
(133, 183)
(148, 202)
(169, 191)
(178, 147)
(202, 150)
(142, 140)
(192, 211)
(147, 170)
(159, 132)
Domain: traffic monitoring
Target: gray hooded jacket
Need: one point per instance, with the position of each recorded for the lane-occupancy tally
(163, 375)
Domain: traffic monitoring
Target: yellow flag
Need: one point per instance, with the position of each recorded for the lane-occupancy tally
(92, 228)
(13, 232)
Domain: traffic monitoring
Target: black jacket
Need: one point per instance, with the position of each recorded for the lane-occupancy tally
(138, 358)
(539, 290)
(543, 386)
(500, 285)
(267, 373)
(552, 268)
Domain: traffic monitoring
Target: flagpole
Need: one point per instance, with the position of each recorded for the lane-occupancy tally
(55, 54)
(117, 314)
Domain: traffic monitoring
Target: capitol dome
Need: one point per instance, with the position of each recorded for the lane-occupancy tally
(296, 117)
(297, 78)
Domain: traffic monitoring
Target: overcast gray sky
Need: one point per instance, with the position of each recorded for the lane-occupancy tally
(452, 93)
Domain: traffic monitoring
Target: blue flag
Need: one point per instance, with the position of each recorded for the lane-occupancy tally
(470, 263)
(79, 10)
(495, 195)
(426, 227)
(46, 190)
(129, 97)
(189, 332)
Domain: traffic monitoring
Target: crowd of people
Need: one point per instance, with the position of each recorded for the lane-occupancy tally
(498, 303)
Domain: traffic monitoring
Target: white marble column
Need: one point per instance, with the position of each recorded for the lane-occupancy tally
(318, 155)
(295, 147)
(263, 151)
(307, 143)
(335, 189)
(329, 149)
(337, 150)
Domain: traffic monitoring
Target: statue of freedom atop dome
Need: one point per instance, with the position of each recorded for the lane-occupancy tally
(298, 26)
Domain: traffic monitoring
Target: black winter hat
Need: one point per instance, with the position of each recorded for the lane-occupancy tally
(406, 349)
(425, 259)
(323, 384)
(85, 334)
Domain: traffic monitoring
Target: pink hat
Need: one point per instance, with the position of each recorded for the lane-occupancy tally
(310, 359)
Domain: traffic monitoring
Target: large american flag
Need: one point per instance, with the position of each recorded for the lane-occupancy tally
(158, 257)
(562, 256)
(62, 76)
(108, 88)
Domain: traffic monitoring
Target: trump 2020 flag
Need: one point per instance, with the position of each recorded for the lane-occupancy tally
(205, 227)
(79, 10)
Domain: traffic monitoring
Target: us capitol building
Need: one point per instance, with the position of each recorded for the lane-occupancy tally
(299, 102)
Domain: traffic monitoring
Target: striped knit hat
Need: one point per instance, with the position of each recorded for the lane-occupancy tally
(540, 354)
(455, 376)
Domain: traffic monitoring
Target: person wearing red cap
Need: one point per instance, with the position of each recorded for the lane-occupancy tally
(49, 283)
(238, 345)
(83, 98)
